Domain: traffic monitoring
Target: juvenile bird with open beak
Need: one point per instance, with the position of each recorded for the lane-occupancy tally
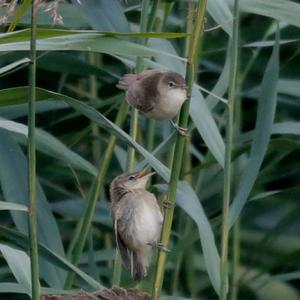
(137, 221)
(158, 94)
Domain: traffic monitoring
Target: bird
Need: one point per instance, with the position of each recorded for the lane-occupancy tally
(137, 221)
(158, 94)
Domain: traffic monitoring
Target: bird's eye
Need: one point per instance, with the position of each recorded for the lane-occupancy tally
(171, 84)
(131, 177)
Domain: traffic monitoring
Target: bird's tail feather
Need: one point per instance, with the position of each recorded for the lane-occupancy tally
(126, 81)
(139, 264)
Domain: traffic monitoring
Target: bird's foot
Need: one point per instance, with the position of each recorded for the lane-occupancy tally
(161, 247)
(168, 204)
(181, 130)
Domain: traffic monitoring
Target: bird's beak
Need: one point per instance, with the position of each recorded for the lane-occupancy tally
(183, 86)
(143, 174)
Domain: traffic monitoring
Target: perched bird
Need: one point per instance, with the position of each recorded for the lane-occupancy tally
(137, 221)
(158, 94)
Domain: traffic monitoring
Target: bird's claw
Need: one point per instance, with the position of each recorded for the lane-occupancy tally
(182, 131)
(159, 246)
(168, 204)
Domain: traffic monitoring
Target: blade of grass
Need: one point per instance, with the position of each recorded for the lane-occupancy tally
(32, 220)
(12, 206)
(19, 264)
(19, 14)
(228, 154)
(21, 241)
(49, 145)
(179, 148)
(263, 128)
(14, 170)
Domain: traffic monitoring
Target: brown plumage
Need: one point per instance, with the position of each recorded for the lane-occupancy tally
(137, 221)
(158, 94)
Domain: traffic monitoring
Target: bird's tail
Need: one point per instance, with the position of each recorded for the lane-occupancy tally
(139, 264)
(125, 81)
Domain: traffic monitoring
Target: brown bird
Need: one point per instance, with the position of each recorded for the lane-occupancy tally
(158, 94)
(137, 221)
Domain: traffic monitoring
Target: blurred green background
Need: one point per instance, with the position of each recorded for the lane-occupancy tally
(71, 145)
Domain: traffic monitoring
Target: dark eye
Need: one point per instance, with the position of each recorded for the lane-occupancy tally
(171, 84)
(131, 177)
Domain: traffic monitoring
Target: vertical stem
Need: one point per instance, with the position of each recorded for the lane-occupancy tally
(86, 221)
(33, 246)
(228, 154)
(133, 129)
(235, 261)
(96, 145)
(179, 147)
(237, 167)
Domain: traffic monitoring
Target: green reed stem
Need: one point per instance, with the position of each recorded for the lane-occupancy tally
(32, 219)
(133, 129)
(179, 148)
(152, 15)
(228, 154)
(235, 261)
(93, 197)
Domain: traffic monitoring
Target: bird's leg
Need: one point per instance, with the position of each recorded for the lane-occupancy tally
(181, 130)
(160, 246)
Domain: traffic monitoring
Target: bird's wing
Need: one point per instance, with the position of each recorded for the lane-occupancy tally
(124, 252)
(142, 94)
(148, 73)
(137, 98)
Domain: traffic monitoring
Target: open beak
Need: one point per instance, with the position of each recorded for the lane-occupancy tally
(143, 174)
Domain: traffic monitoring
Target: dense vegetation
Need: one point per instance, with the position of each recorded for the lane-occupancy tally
(242, 148)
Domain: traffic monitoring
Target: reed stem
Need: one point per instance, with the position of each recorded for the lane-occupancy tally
(32, 219)
(228, 155)
(93, 197)
(179, 148)
(133, 129)
(235, 261)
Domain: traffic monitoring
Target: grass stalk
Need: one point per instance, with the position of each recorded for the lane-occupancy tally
(235, 261)
(86, 221)
(228, 155)
(179, 148)
(133, 128)
(32, 220)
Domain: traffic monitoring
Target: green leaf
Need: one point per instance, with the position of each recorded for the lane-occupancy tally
(19, 264)
(22, 9)
(12, 206)
(21, 241)
(91, 41)
(49, 145)
(92, 114)
(282, 10)
(206, 126)
(104, 15)
(14, 65)
(220, 12)
(14, 184)
(103, 122)
(277, 128)
(14, 288)
(289, 87)
(221, 86)
(263, 128)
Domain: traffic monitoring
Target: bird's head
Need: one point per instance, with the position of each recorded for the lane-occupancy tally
(129, 182)
(172, 84)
